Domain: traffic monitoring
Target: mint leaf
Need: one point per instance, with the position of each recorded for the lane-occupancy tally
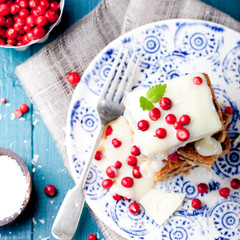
(155, 93)
(145, 104)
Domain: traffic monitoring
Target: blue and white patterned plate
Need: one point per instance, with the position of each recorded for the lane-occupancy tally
(170, 48)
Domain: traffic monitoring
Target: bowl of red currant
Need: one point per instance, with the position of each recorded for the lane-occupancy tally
(25, 22)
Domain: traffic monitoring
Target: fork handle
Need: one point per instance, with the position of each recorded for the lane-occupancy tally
(67, 219)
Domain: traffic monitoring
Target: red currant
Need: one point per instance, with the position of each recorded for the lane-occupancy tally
(134, 208)
(2, 21)
(73, 78)
(41, 21)
(161, 133)
(165, 103)
(11, 33)
(3, 100)
(132, 161)
(51, 16)
(170, 119)
(50, 190)
(11, 41)
(229, 110)
(2, 42)
(235, 183)
(32, 3)
(117, 197)
(9, 22)
(183, 134)
(173, 157)
(14, 8)
(39, 11)
(143, 125)
(154, 114)
(108, 130)
(30, 35)
(20, 20)
(38, 32)
(112, 171)
(196, 203)
(92, 237)
(116, 143)
(31, 20)
(23, 108)
(54, 6)
(127, 182)
(17, 113)
(26, 28)
(4, 9)
(17, 27)
(44, 3)
(23, 13)
(224, 192)
(25, 40)
(135, 151)
(23, 3)
(177, 125)
(136, 172)
(185, 119)
(118, 164)
(197, 80)
(98, 155)
(202, 188)
(107, 183)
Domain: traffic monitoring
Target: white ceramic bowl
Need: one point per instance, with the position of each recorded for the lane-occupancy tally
(22, 48)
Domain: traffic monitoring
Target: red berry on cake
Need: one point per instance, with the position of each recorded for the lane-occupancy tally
(165, 103)
(107, 183)
(134, 208)
(111, 171)
(154, 114)
(92, 237)
(185, 119)
(183, 134)
(136, 172)
(73, 78)
(224, 192)
(131, 160)
(108, 130)
(127, 182)
(135, 151)
(202, 188)
(197, 80)
(98, 155)
(173, 157)
(161, 133)
(177, 125)
(196, 203)
(23, 108)
(116, 143)
(143, 125)
(118, 164)
(170, 119)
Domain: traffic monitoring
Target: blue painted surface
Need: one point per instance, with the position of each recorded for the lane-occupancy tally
(28, 139)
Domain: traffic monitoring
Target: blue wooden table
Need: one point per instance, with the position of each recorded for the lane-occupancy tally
(31, 140)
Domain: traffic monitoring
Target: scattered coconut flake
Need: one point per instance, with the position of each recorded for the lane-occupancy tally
(42, 221)
(43, 178)
(8, 104)
(35, 122)
(39, 236)
(12, 116)
(1, 116)
(35, 159)
(25, 141)
(10, 145)
(97, 235)
(51, 201)
(61, 170)
(39, 166)
(47, 149)
(34, 221)
(22, 119)
(34, 170)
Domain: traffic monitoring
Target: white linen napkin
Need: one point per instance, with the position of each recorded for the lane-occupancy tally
(43, 76)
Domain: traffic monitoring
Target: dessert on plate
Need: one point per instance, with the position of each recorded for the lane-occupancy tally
(165, 130)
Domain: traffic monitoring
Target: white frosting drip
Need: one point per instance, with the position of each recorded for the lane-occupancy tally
(208, 146)
(187, 98)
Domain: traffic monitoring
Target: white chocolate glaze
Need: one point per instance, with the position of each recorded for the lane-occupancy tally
(187, 98)
(208, 146)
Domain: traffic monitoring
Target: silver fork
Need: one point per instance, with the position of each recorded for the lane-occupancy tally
(110, 107)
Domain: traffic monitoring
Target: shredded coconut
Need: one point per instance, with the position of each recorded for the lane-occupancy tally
(13, 187)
